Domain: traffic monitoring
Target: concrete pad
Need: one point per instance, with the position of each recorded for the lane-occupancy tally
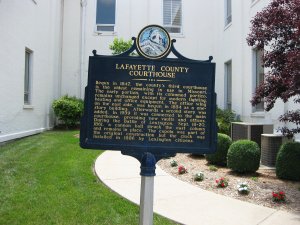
(181, 201)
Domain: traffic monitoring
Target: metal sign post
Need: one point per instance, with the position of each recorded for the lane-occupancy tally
(147, 188)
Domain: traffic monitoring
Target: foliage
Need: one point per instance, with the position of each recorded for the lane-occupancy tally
(182, 170)
(220, 156)
(120, 45)
(48, 179)
(213, 168)
(276, 30)
(173, 163)
(287, 161)
(278, 196)
(243, 156)
(199, 176)
(254, 178)
(224, 119)
(243, 188)
(68, 109)
(222, 182)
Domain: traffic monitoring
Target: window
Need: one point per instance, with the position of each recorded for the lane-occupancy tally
(258, 75)
(105, 15)
(228, 85)
(228, 17)
(27, 77)
(172, 15)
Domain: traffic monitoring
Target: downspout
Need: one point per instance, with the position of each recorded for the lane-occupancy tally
(83, 4)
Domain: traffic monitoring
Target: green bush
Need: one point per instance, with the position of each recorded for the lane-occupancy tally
(243, 156)
(68, 110)
(287, 161)
(224, 119)
(119, 46)
(220, 156)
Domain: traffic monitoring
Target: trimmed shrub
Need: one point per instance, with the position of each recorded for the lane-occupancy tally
(287, 161)
(243, 156)
(220, 156)
(68, 110)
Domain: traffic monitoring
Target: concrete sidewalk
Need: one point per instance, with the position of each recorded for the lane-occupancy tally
(183, 202)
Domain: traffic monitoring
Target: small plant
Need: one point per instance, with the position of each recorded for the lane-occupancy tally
(119, 46)
(173, 163)
(254, 178)
(224, 118)
(68, 110)
(182, 170)
(213, 168)
(243, 188)
(222, 182)
(278, 196)
(199, 176)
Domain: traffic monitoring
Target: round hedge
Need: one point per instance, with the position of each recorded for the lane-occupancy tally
(287, 161)
(243, 156)
(220, 156)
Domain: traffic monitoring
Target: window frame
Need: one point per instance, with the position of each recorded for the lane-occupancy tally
(227, 16)
(256, 76)
(170, 26)
(228, 104)
(113, 31)
(28, 77)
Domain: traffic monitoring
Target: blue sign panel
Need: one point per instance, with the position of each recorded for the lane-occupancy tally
(137, 104)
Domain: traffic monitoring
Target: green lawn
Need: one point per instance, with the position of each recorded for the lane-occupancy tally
(48, 179)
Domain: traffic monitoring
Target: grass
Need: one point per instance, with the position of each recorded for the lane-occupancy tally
(48, 179)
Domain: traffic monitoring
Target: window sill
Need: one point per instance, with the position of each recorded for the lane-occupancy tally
(28, 106)
(174, 35)
(227, 26)
(258, 114)
(105, 33)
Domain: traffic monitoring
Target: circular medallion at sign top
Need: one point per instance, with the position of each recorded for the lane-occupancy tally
(153, 42)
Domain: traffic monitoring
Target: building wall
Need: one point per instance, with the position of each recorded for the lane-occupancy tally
(61, 34)
(34, 25)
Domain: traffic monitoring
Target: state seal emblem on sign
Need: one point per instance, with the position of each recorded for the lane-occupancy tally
(154, 42)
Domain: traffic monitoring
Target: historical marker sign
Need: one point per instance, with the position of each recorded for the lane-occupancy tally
(150, 103)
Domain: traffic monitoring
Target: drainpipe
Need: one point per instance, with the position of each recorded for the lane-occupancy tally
(83, 4)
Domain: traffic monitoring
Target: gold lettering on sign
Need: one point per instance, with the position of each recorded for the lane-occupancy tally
(151, 71)
(153, 112)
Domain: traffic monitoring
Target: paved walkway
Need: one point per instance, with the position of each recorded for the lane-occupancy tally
(183, 202)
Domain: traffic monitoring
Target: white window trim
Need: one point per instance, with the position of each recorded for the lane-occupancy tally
(30, 95)
(105, 33)
(226, 16)
(178, 35)
(226, 83)
(255, 112)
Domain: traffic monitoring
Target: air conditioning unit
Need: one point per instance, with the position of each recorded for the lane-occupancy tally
(270, 144)
(250, 131)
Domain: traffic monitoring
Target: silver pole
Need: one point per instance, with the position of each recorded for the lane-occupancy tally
(146, 200)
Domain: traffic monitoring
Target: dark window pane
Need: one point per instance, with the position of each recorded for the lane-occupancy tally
(27, 78)
(106, 11)
(105, 28)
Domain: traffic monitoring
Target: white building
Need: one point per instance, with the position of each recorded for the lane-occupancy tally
(45, 47)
